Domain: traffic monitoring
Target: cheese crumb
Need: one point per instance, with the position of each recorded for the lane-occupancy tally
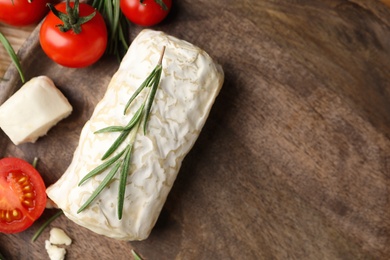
(55, 252)
(35, 108)
(59, 237)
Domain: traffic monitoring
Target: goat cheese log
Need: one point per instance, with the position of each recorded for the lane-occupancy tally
(190, 82)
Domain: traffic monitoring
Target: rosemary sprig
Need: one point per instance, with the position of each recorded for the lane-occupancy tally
(12, 54)
(121, 161)
(117, 25)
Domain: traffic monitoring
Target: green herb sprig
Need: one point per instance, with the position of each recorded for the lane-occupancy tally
(12, 54)
(121, 161)
(117, 25)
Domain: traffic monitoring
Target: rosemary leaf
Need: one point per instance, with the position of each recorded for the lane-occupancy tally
(47, 222)
(35, 162)
(136, 117)
(129, 126)
(153, 91)
(117, 26)
(135, 255)
(123, 180)
(116, 12)
(156, 83)
(13, 55)
(144, 84)
(101, 167)
(110, 129)
(101, 186)
(116, 144)
(125, 132)
(98, 4)
(123, 33)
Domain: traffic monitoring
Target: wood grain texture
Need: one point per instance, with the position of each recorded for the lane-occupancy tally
(294, 160)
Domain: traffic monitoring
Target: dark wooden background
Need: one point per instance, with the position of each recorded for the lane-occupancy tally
(294, 160)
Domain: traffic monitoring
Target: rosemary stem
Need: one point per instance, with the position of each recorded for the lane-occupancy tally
(162, 56)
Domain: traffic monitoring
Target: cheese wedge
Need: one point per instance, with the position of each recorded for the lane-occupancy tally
(190, 82)
(35, 108)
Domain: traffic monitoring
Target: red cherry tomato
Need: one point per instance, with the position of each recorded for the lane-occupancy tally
(21, 12)
(68, 48)
(147, 13)
(22, 195)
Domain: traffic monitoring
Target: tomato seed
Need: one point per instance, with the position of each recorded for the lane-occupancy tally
(10, 215)
(28, 195)
(27, 188)
(16, 214)
(28, 203)
(22, 179)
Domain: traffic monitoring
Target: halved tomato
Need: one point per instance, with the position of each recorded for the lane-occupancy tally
(22, 195)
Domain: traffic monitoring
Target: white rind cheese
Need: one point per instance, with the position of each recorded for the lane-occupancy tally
(35, 108)
(190, 82)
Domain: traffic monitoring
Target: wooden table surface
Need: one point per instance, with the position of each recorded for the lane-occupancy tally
(294, 161)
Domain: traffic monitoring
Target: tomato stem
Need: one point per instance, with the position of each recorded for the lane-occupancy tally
(71, 19)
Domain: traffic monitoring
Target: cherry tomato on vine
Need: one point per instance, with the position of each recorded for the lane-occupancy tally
(78, 46)
(22, 195)
(22, 12)
(146, 12)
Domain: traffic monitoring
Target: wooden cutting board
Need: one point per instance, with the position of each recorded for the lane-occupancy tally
(294, 160)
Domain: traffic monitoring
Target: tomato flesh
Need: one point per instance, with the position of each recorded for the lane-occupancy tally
(21, 12)
(22, 195)
(147, 13)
